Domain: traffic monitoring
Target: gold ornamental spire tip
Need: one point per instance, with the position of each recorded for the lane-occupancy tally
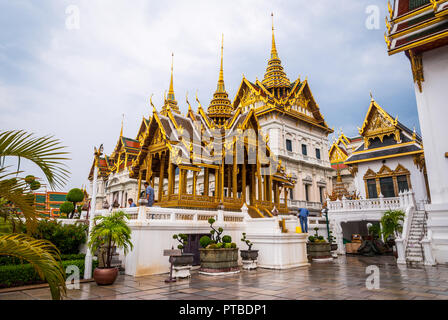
(171, 91)
(122, 120)
(221, 71)
(274, 54)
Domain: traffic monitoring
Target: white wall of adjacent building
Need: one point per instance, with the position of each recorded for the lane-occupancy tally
(432, 105)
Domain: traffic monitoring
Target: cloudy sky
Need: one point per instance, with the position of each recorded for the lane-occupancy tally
(75, 83)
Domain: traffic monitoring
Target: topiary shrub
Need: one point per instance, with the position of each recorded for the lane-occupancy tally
(227, 245)
(227, 239)
(213, 246)
(29, 179)
(35, 185)
(205, 241)
(67, 208)
(233, 245)
(75, 195)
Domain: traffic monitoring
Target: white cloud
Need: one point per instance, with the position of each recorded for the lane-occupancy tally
(75, 84)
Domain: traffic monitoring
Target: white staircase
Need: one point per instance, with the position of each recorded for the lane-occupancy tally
(414, 250)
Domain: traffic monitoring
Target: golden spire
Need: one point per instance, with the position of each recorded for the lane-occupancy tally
(122, 120)
(275, 77)
(171, 90)
(220, 108)
(170, 101)
(274, 54)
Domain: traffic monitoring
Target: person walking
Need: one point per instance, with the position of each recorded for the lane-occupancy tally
(303, 217)
(149, 194)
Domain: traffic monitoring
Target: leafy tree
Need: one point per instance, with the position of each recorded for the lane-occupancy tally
(75, 196)
(108, 232)
(67, 208)
(48, 154)
(392, 223)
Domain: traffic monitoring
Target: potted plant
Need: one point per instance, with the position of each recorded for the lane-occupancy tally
(392, 226)
(248, 254)
(108, 233)
(186, 259)
(318, 248)
(218, 253)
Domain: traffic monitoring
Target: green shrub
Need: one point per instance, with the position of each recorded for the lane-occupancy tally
(233, 245)
(219, 245)
(67, 238)
(227, 245)
(212, 246)
(66, 207)
(35, 185)
(30, 178)
(311, 238)
(205, 241)
(19, 275)
(8, 260)
(227, 239)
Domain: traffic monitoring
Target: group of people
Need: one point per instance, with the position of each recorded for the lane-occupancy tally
(147, 194)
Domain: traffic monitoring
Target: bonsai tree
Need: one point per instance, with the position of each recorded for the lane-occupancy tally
(392, 223)
(215, 241)
(75, 196)
(182, 239)
(66, 207)
(247, 241)
(109, 232)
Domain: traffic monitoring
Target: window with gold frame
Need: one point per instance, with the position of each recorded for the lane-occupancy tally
(388, 182)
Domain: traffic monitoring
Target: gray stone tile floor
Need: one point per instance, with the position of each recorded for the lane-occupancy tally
(342, 279)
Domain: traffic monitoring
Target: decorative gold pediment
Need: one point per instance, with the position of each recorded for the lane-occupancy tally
(337, 155)
(385, 170)
(370, 174)
(400, 170)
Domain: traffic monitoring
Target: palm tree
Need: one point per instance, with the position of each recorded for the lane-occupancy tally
(48, 154)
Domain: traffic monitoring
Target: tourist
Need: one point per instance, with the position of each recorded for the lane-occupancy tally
(149, 194)
(303, 217)
(131, 203)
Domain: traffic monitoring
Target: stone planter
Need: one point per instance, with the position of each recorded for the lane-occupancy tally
(319, 251)
(219, 261)
(105, 276)
(249, 254)
(186, 259)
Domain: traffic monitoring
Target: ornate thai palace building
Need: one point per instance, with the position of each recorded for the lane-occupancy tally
(343, 180)
(419, 28)
(389, 159)
(224, 147)
(282, 112)
(298, 133)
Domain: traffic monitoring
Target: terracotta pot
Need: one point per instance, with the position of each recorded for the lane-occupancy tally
(249, 254)
(105, 276)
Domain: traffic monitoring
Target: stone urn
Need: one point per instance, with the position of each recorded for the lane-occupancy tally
(186, 259)
(319, 251)
(249, 254)
(219, 261)
(105, 276)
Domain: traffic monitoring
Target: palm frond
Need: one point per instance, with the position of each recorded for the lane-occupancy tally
(46, 152)
(15, 190)
(42, 255)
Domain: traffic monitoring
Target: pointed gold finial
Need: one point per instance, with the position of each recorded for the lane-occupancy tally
(171, 90)
(122, 120)
(186, 99)
(221, 71)
(371, 96)
(274, 54)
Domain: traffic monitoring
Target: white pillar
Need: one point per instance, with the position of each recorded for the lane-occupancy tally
(88, 258)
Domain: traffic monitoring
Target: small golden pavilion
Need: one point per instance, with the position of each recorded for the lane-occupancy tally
(223, 146)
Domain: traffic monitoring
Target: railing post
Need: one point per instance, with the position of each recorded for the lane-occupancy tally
(220, 215)
(381, 197)
(344, 202)
(411, 198)
(173, 216)
(400, 251)
(141, 213)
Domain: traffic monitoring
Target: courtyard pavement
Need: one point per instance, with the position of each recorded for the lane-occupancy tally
(342, 279)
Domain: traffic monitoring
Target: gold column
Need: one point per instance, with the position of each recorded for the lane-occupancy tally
(139, 183)
(181, 181)
(194, 182)
(206, 181)
(252, 186)
(217, 174)
(149, 168)
(269, 197)
(221, 183)
(235, 174)
(243, 182)
(161, 176)
(170, 178)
